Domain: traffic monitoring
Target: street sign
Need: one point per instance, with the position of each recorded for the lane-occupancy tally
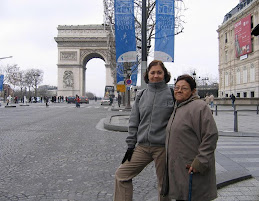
(121, 87)
(128, 82)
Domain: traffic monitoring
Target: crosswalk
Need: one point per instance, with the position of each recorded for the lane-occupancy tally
(242, 150)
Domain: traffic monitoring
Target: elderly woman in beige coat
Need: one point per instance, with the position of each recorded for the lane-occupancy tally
(190, 145)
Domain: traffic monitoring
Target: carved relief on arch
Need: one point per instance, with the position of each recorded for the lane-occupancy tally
(68, 79)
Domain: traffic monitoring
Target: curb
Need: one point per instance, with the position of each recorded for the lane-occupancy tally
(8, 106)
(120, 109)
(232, 181)
(115, 126)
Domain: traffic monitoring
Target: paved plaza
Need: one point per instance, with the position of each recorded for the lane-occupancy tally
(63, 153)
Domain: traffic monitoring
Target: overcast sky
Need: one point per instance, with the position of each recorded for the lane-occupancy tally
(28, 28)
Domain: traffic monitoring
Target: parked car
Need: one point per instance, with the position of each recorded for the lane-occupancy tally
(82, 99)
(105, 101)
(71, 99)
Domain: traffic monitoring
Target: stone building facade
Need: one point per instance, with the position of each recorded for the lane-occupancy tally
(239, 63)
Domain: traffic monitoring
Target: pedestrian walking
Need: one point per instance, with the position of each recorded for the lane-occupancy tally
(119, 100)
(111, 100)
(211, 101)
(233, 99)
(207, 99)
(191, 140)
(146, 133)
(77, 100)
(9, 100)
(47, 101)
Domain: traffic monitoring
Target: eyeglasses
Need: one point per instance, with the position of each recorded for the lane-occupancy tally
(181, 88)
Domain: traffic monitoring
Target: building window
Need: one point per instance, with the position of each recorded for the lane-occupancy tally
(226, 79)
(238, 94)
(252, 94)
(245, 94)
(238, 77)
(252, 73)
(226, 56)
(244, 75)
(226, 37)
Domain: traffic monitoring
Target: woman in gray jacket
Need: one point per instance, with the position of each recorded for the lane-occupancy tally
(146, 140)
(190, 145)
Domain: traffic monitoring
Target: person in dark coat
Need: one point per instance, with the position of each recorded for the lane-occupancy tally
(119, 100)
(191, 140)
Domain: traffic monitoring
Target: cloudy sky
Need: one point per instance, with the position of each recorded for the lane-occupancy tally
(28, 28)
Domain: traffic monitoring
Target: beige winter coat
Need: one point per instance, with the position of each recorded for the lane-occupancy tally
(191, 140)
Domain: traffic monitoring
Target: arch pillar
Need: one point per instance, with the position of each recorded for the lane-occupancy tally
(109, 78)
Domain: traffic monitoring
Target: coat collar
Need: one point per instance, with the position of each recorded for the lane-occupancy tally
(157, 86)
(192, 98)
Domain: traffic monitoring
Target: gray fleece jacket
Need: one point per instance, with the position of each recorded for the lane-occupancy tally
(149, 116)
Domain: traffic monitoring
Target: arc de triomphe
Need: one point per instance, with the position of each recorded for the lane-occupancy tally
(76, 46)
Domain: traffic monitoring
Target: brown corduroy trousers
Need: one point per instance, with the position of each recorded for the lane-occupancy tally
(141, 157)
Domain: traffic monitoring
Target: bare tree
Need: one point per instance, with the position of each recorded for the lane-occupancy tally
(33, 78)
(21, 80)
(12, 75)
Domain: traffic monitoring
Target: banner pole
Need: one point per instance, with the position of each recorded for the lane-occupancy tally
(144, 43)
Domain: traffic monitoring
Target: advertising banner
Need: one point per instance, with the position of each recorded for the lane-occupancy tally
(1, 82)
(120, 77)
(125, 31)
(134, 74)
(243, 44)
(164, 36)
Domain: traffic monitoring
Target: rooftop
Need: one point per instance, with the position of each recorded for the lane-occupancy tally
(238, 8)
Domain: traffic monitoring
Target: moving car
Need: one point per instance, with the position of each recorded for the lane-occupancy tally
(105, 101)
(82, 99)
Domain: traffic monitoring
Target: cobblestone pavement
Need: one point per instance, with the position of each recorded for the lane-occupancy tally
(63, 153)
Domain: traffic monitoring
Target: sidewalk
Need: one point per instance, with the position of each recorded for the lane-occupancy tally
(228, 171)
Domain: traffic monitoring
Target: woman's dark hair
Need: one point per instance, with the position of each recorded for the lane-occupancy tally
(188, 79)
(155, 63)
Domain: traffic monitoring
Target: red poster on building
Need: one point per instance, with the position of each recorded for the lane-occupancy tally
(243, 44)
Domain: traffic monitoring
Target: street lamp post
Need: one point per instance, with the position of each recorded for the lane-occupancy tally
(204, 83)
(194, 75)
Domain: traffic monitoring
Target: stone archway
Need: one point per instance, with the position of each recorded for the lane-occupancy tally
(76, 46)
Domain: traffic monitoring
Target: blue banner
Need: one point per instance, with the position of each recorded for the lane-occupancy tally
(120, 73)
(164, 36)
(125, 31)
(1, 82)
(134, 74)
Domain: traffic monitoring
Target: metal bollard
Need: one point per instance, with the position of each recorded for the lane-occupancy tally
(235, 121)
(257, 109)
(216, 110)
